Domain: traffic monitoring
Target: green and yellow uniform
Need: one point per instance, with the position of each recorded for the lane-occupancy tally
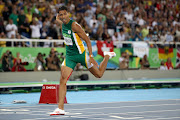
(75, 51)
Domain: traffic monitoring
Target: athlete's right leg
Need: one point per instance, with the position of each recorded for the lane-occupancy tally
(65, 74)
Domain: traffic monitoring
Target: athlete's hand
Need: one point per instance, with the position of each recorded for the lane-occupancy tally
(57, 17)
(91, 60)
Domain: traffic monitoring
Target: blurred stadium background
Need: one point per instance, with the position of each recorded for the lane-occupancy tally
(145, 34)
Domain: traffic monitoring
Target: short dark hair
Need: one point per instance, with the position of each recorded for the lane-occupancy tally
(63, 8)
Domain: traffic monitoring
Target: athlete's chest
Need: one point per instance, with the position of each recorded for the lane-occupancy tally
(67, 35)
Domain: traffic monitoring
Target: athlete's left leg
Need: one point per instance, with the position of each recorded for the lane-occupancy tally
(98, 72)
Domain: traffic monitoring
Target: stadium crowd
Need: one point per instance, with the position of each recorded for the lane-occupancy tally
(117, 20)
(111, 20)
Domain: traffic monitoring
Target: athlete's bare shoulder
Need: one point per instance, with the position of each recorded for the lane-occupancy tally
(76, 27)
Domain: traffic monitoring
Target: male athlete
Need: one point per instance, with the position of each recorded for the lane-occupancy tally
(76, 53)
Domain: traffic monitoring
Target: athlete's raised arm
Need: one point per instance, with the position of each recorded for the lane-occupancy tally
(78, 29)
(58, 19)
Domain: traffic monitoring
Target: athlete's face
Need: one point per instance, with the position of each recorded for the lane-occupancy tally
(64, 16)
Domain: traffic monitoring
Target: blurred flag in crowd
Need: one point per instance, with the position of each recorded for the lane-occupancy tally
(178, 58)
(129, 51)
(94, 47)
(104, 46)
(140, 49)
(165, 52)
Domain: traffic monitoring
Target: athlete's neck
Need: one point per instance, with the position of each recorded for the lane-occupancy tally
(68, 21)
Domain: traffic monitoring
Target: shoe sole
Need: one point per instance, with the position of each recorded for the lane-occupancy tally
(56, 114)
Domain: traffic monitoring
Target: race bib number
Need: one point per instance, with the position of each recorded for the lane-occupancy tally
(68, 41)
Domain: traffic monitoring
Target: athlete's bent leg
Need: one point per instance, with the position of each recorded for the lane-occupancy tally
(99, 72)
(65, 74)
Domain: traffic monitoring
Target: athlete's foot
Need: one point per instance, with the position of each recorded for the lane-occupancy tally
(111, 54)
(58, 111)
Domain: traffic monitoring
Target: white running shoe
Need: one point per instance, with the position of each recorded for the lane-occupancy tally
(111, 54)
(58, 111)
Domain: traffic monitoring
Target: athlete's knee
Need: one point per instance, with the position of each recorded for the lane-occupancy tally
(63, 81)
(99, 75)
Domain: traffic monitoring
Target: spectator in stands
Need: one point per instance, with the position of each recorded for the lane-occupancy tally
(2, 32)
(2, 43)
(169, 37)
(93, 21)
(177, 34)
(140, 20)
(17, 64)
(169, 64)
(20, 44)
(121, 37)
(6, 13)
(39, 62)
(155, 34)
(105, 35)
(21, 18)
(35, 29)
(2, 5)
(124, 61)
(14, 17)
(81, 7)
(29, 16)
(162, 37)
(111, 24)
(2, 28)
(99, 33)
(148, 38)
(137, 36)
(24, 28)
(115, 38)
(90, 13)
(52, 31)
(94, 30)
(11, 30)
(144, 62)
(129, 15)
(163, 66)
(144, 31)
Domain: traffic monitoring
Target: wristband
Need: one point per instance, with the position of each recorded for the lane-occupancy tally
(91, 56)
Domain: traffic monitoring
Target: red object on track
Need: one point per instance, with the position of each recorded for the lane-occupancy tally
(50, 94)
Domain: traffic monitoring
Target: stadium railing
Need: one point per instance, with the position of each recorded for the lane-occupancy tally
(61, 42)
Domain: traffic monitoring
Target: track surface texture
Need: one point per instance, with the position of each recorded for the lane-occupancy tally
(133, 110)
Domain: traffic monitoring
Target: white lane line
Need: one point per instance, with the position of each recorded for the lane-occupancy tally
(40, 118)
(68, 113)
(100, 118)
(126, 117)
(156, 111)
(15, 110)
(126, 106)
(167, 118)
(7, 113)
(34, 106)
(40, 114)
(163, 118)
(123, 102)
(79, 117)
